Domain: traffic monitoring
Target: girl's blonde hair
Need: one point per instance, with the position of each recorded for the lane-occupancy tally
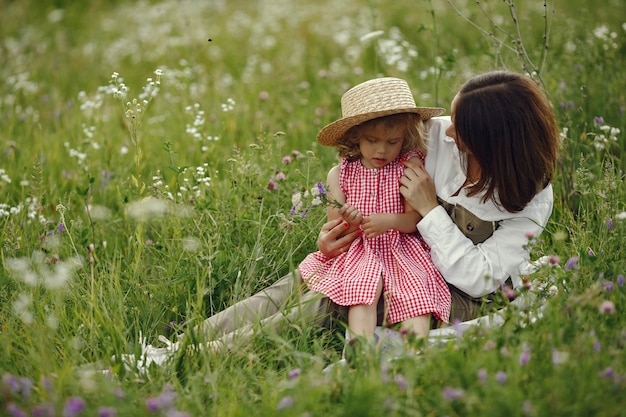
(415, 134)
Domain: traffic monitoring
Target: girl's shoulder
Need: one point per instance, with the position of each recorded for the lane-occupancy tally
(416, 153)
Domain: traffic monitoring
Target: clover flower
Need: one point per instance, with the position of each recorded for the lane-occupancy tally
(607, 307)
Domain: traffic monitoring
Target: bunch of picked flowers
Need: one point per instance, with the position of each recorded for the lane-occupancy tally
(303, 201)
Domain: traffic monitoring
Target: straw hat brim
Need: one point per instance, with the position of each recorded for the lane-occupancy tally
(331, 133)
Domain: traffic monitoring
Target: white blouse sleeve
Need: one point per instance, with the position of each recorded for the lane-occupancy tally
(480, 269)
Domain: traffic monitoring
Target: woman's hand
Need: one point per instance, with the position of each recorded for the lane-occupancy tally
(351, 215)
(335, 237)
(418, 188)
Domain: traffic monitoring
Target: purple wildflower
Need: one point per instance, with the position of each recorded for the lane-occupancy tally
(61, 228)
(305, 213)
(15, 411)
(46, 383)
(524, 358)
(73, 407)
(482, 375)
(43, 410)
(12, 382)
(598, 120)
(322, 189)
(164, 401)
(459, 330)
(528, 408)
(106, 177)
(119, 393)
(610, 224)
(596, 346)
(401, 382)
(590, 252)
(107, 412)
(501, 377)
(607, 373)
(453, 394)
(620, 280)
(285, 402)
(153, 404)
(293, 374)
(26, 386)
(571, 262)
(608, 286)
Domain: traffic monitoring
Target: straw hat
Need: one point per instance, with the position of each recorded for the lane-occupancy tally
(370, 100)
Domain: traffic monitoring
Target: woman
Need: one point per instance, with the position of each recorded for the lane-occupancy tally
(484, 189)
(496, 161)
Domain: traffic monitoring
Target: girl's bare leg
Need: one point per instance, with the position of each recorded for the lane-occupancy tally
(418, 326)
(362, 318)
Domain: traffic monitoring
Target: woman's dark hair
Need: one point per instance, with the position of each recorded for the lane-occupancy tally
(506, 122)
(415, 134)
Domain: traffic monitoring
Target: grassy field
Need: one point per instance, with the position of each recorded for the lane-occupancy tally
(149, 151)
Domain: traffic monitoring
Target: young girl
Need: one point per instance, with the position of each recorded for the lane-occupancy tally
(381, 127)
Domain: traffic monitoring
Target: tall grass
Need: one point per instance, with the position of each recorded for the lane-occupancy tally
(149, 155)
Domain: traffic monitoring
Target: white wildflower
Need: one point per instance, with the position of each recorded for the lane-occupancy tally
(147, 208)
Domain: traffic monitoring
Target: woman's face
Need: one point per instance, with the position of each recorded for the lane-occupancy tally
(380, 145)
(451, 130)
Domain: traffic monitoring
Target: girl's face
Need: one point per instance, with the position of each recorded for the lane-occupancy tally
(380, 144)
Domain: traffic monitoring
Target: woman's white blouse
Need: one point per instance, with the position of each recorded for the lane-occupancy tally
(476, 269)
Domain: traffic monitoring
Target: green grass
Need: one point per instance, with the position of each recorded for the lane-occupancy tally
(207, 144)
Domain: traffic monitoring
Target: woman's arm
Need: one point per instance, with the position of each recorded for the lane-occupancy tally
(479, 269)
(476, 269)
(342, 227)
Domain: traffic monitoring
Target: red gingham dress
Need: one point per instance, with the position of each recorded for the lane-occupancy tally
(412, 285)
